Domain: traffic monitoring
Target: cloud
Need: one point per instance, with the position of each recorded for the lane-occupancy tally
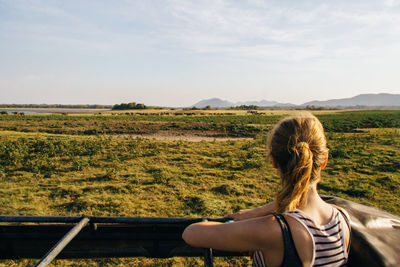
(278, 30)
(226, 28)
(302, 32)
(392, 3)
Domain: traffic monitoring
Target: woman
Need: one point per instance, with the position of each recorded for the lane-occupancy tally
(298, 228)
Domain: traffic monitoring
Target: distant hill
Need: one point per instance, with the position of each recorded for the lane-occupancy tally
(213, 102)
(219, 103)
(360, 100)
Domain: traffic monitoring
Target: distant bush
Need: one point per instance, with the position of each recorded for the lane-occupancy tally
(340, 151)
(245, 107)
(131, 105)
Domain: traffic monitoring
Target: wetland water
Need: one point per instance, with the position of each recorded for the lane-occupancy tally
(43, 110)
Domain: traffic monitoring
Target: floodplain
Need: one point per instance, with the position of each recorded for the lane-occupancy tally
(180, 165)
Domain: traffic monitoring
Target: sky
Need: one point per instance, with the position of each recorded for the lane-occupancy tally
(176, 52)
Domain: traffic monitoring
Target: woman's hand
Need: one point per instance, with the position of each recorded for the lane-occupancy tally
(245, 214)
(242, 215)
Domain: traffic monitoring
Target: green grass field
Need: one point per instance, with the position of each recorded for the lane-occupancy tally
(73, 172)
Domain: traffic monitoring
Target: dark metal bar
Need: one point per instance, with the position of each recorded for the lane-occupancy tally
(208, 257)
(62, 243)
(41, 219)
(128, 220)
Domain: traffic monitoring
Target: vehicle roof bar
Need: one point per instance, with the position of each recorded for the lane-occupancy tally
(54, 251)
(100, 219)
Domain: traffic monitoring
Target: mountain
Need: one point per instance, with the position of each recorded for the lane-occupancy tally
(360, 100)
(213, 102)
(219, 103)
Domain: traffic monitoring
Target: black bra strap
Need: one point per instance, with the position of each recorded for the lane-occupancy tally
(344, 215)
(290, 257)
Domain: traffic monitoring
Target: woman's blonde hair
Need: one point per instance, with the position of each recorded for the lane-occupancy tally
(298, 147)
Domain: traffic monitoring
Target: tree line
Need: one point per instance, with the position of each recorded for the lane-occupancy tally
(131, 105)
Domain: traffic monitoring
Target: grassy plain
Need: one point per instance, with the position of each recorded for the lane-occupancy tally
(90, 165)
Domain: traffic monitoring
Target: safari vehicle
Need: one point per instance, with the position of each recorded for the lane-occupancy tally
(375, 237)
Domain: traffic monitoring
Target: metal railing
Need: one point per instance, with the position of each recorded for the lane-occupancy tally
(96, 237)
(374, 240)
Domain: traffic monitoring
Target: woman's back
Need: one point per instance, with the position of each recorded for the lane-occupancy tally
(316, 244)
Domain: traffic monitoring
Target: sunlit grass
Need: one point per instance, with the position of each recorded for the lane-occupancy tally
(60, 174)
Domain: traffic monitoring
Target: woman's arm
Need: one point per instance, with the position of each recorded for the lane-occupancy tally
(264, 210)
(246, 235)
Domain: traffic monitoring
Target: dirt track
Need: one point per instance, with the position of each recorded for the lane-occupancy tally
(185, 137)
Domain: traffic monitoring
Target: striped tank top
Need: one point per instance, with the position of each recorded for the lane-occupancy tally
(329, 245)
